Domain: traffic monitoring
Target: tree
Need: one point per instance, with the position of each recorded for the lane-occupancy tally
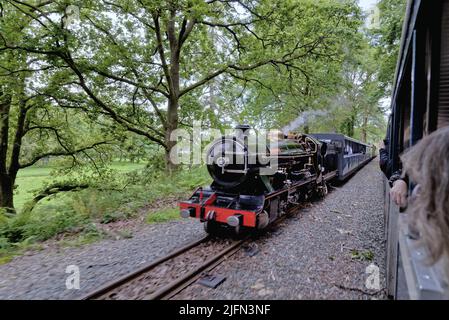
(140, 61)
(354, 109)
(34, 123)
(387, 39)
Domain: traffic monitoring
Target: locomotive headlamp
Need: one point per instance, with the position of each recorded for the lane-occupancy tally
(233, 221)
(187, 213)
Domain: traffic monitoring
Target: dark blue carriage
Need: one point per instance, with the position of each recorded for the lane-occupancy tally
(346, 155)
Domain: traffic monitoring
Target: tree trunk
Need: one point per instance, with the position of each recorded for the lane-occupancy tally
(170, 167)
(6, 183)
(173, 101)
(172, 125)
(7, 192)
(8, 174)
(351, 126)
(364, 128)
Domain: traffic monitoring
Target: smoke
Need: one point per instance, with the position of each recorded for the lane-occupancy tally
(303, 119)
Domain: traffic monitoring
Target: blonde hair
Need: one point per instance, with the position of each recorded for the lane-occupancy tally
(427, 164)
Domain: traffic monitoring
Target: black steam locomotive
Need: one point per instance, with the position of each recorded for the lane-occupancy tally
(254, 184)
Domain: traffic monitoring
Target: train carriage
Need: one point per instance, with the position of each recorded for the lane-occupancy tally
(419, 105)
(351, 155)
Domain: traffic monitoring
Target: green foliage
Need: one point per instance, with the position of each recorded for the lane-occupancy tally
(387, 39)
(366, 255)
(91, 204)
(163, 215)
(41, 225)
(103, 80)
(271, 97)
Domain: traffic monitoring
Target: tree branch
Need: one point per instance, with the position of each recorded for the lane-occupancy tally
(54, 189)
(160, 49)
(60, 153)
(186, 29)
(128, 81)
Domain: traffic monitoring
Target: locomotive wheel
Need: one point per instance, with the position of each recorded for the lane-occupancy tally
(212, 227)
(322, 192)
(237, 230)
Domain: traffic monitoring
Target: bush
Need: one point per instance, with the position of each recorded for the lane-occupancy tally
(4, 243)
(112, 216)
(41, 224)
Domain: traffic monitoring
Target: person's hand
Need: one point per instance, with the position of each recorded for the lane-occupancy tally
(399, 193)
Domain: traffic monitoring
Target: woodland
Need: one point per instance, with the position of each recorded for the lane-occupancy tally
(91, 91)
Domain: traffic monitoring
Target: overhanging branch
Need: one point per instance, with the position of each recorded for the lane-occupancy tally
(60, 153)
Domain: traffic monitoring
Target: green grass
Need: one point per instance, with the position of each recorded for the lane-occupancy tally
(33, 178)
(5, 259)
(163, 215)
(126, 166)
(366, 255)
(76, 214)
(28, 180)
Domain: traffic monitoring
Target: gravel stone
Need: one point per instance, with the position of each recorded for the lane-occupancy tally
(42, 275)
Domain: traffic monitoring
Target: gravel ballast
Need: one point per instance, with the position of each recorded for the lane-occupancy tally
(320, 253)
(43, 275)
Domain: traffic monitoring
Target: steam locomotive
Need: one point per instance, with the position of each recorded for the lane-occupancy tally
(254, 184)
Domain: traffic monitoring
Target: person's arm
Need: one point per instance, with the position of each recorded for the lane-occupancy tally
(399, 188)
(383, 160)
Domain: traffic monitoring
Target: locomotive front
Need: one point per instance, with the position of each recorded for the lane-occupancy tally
(234, 161)
(254, 182)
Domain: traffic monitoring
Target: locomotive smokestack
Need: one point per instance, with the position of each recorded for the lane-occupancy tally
(243, 127)
(242, 130)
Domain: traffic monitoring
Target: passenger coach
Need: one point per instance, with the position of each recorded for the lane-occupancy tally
(419, 106)
(350, 154)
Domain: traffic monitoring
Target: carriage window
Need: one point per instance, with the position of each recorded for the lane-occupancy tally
(352, 147)
(338, 144)
(349, 148)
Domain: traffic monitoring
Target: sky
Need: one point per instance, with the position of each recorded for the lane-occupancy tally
(367, 4)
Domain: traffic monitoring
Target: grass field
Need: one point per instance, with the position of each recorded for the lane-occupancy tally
(33, 178)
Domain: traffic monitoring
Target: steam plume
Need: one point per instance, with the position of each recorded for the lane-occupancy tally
(303, 119)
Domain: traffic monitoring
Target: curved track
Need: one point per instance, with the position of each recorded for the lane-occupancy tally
(166, 277)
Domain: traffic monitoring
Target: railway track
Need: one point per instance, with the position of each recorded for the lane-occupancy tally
(166, 277)
(156, 281)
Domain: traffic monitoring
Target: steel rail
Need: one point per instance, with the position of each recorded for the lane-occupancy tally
(131, 276)
(178, 285)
